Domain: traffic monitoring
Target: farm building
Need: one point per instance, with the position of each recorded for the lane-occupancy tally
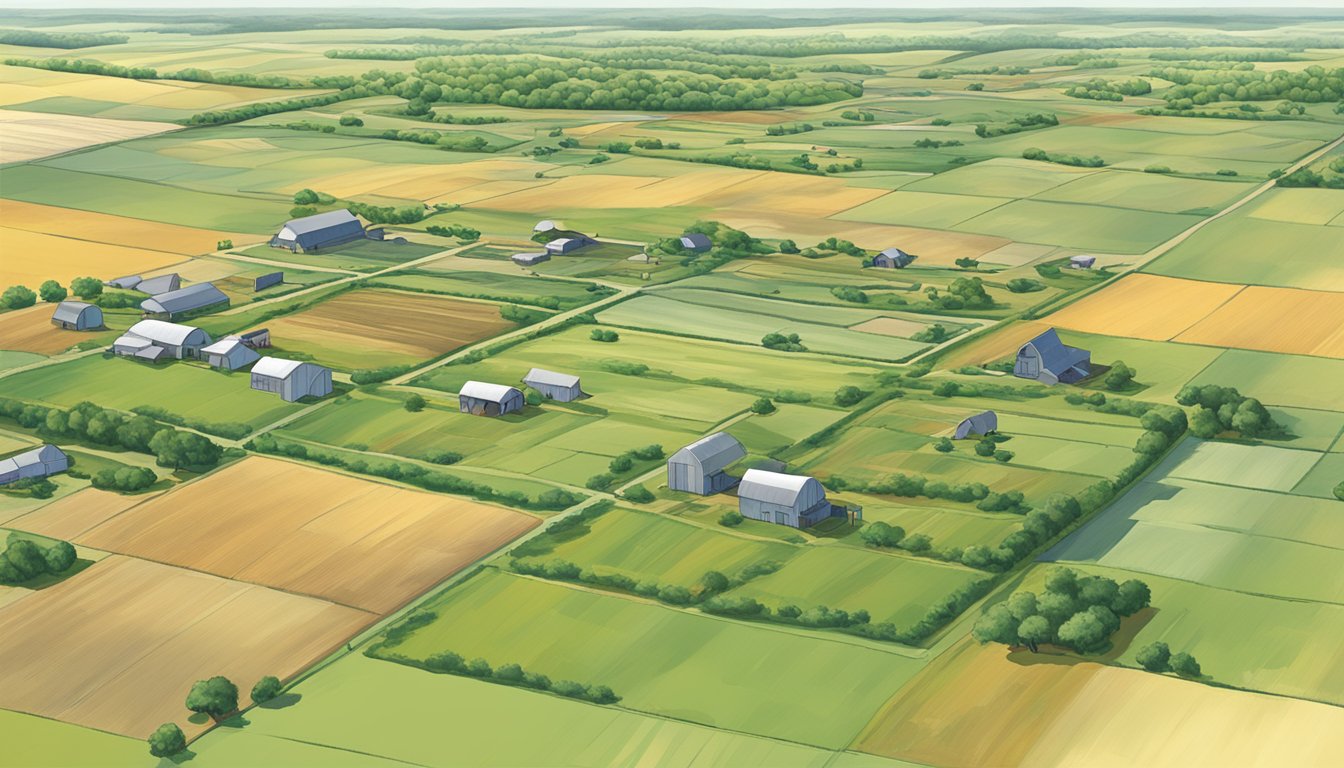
(1047, 360)
(179, 302)
(322, 230)
(892, 258)
(530, 259)
(39, 462)
(125, 283)
(1082, 262)
(257, 339)
(262, 282)
(291, 379)
(161, 284)
(556, 386)
(699, 467)
(482, 399)
(696, 242)
(545, 225)
(77, 316)
(980, 424)
(171, 339)
(772, 497)
(564, 245)
(229, 353)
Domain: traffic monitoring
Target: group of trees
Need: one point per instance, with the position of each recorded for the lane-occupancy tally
(216, 697)
(100, 426)
(25, 559)
(1306, 177)
(1194, 87)
(513, 674)
(935, 143)
(1157, 657)
(961, 293)
(1076, 611)
(1119, 377)
(1101, 89)
(1036, 153)
(191, 74)
(125, 479)
(33, 38)
(783, 342)
(460, 231)
(1029, 122)
(624, 464)
(788, 130)
(947, 74)
(20, 296)
(1216, 409)
(605, 335)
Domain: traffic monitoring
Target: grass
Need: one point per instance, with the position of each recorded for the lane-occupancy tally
(565, 294)
(40, 742)
(1310, 256)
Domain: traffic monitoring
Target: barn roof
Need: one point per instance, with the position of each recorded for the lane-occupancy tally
(41, 455)
(276, 368)
(543, 376)
(714, 452)
(494, 393)
(163, 333)
(132, 342)
(161, 284)
(1056, 357)
(184, 300)
(896, 253)
(545, 225)
(983, 422)
(224, 346)
(320, 221)
(696, 241)
(69, 311)
(772, 487)
(129, 281)
(151, 353)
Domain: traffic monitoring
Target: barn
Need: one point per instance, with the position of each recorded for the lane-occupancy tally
(555, 386)
(185, 300)
(981, 423)
(563, 245)
(39, 462)
(1047, 360)
(257, 339)
(545, 225)
(77, 316)
(1082, 262)
(174, 339)
(696, 242)
(892, 258)
(323, 230)
(530, 259)
(161, 284)
(482, 399)
(773, 497)
(126, 283)
(229, 354)
(699, 467)
(291, 379)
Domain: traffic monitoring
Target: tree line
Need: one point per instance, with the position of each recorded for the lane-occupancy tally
(1198, 87)
(102, 426)
(32, 38)
(1076, 611)
(190, 74)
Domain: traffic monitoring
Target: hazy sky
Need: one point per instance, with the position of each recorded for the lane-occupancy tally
(717, 4)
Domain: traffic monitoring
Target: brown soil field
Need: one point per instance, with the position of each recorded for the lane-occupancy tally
(118, 646)
(32, 135)
(1287, 320)
(1140, 306)
(984, 706)
(301, 529)
(30, 330)
(69, 517)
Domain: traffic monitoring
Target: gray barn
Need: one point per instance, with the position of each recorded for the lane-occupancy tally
(892, 258)
(980, 424)
(77, 316)
(322, 230)
(161, 284)
(696, 242)
(262, 282)
(189, 299)
(556, 386)
(291, 379)
(482, 399)
(1047, 360)
(39, 462)
(229, 354)
(530, 259)
(699, 467)
(173, 339)
(564, 245)
(772, 497)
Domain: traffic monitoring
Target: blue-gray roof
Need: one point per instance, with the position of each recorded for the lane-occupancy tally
(321, 229)
(185, 300)
(696, 242)
(1056, 356)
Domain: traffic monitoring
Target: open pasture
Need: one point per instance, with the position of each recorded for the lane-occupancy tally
(311, 531)
(1157, 192)
(371, 328)
(1304, 255)
(1073, 225)
(40, 742)
(158, 630)
(33, 135)
(1283, 380)
(515, 288)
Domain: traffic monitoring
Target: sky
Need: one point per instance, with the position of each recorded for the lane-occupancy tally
(717, 4)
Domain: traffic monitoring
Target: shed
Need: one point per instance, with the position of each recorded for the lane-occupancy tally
(1082, 262)
(256, 339)
(545, 225)
(556, 386)
(773, 497)
(291, 379)
(696, 242)
(229, 353)
(699, 467)
(892, 258)
(262, 282)
(530, 259)
(482, 399)
(1047, 360)
(189, 299)
(161, 284)
(980, 424)
(175, 339)
(564, 245)
(77, 316)
(151, 353)
(322, 230)
(39, 462)
(126, 283)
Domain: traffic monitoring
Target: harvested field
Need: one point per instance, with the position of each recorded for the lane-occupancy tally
(307, 530)
(1276, 320)
(1145, 306)
(65, 258)
(31, 135)
(375, 327)
(30, 330)
(126, 630)
(72, 516)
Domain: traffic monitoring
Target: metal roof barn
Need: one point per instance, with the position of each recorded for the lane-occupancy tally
(892, 258)
(322, 230)
(128, 282)
(161, 284)
(699, 467)
(556, 386)
(38, 462)
(175, 339)
(530, 259)
(291, 379)
(484, 399)
(77, 316)
(773, 497)
(979, 424)
(1049, 361)
(229, 353)
(195, 297)
(696, 242)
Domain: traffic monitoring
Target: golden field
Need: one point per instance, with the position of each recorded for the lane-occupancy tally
(1288, 320)
(53, 257)
(69, 517)
(1143, 306)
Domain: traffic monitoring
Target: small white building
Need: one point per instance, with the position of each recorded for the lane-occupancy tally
(564, 245)
(39, 462)
(291, 379)
(555, 386)
(77, 316)
(1082, 262)
(484, 399)
(530, 259)
(172, 339)
(229, 354)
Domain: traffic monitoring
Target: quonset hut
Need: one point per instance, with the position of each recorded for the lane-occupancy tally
(556, 386)
(77, 316)
(190, 299)
(773, 497)
(699, 467)
(291, 379)
(482, 399)
(176, 340)
(1047, 360)
(322, 230)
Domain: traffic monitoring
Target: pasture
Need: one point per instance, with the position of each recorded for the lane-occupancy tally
(1307, 256)
(41, 742)
(516, 289)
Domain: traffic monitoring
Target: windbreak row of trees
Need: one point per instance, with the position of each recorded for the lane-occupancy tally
(1196, 87)
(190, 74)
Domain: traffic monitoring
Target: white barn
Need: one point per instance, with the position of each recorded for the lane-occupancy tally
(772, 497)
(483, 399)
(77, 316)
(555, 386)
(38, 462)
(291, 379)
(173, 339)
(980, 424)
(230, 354)
(699, 467)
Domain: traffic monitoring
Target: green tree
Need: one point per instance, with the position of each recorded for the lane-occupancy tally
(59, 557)
(267, 688)
(638, 494)
(1131, 597)
(167, 740)
(1083, 632)
(848, 395)
(17, 297)
(996, 625)
(216, 697)
(1022, 605)
(730, 519)
(788, 246)
(1185, 665)
(86, 288)
(881, 534)
(762, 406)
(51, 291)
(178, 449)
(1120, 376)
(414, 403)
(713, 582)
(1033, 631)
(986, 447)
(306, 197)
(1204, 423)
(943, 445)
(1154, 657)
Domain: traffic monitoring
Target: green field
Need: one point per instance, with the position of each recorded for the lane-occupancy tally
(556, 294)
(38, 742)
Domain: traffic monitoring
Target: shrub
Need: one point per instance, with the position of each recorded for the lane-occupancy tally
(763, 406)
(1154, 657)
(608, 336)
(880, 534)
(17, 297)
(730, 519)
(414, 403)
(943, 445)
(986, 447)
(267, 688)
(51, 291)
(216, 697)
(638, 494)
(167, 740)
(1185, 665)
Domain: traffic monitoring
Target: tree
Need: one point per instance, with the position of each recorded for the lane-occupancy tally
(178, 449)
(848, 395)
(1120, 376)
(1154, 657)
(1204, 423)
(943, 445)
(1083, 632)
(27, 558)
(713, 582)
(880, 534)
(167, 740)
(730, 519)
(986, 447)
(1131, 597)
(1062, 580)
(86, 287)
(788, 246)
(1022, 605)
(17, 297)
(997, 625)
(59, 557)
(267, 688)
(216, 697)
(763, 406)
(638, 494)
(1185, 665)
(414, 403)
(306, 197)
(51, 291)
(1033, 631)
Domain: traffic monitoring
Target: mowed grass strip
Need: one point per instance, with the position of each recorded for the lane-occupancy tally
(311, 531)
(1145, 307)
(734, 675)
(129, 630)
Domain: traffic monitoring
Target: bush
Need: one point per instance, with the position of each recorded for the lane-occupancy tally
(1120, 376)
(783, 343)
(167, 740)
(1154, 657)
(1185, 665)
(267, 688)
(1025, 285)
(126, 479)
(763, 406)
(638, 494)
(608, 336)
(880, 534)
(414, 403)
(86, 288)
(986, 447)
(943, 445)
(51, 291)
(443, 457)
(730, 519)
(17, 297)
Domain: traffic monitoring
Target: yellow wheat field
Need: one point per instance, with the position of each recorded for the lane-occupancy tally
(114, 230)
(1143, 306)
(1288, 320)
(33, 257)
(71, 516)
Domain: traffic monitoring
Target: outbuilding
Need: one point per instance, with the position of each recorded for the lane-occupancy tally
(980, 424)
(1047, 360)
(545, 225)
(176, 340)
(483, 399)
(161, 284)
(77, 316)
(127, 283)
(563, 245)
(1082, 262)
(797, 501)
(257, 339)
(39, 462)
(892, 258)
(700, 467)
(322, 230)
(696, 242)
(530, 259)
(229, 354)
(555, 386)
(185, 300)
(291, 379)
(262, 282)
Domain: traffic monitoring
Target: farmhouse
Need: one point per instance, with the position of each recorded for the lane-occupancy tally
(126, 283)
(556, 386)
(152, 339)
(699, 467)
(229, 353)
(482, 399)
(1047, 360)
(291, 379)
(161, 284)
(696, 242)
(892, 258)
(530, 259)
(773, 497)
(564, 245)
(322, 230)
(1082, 262)
(190, 299)
(39, 462)
(980, 424)
(77, 316)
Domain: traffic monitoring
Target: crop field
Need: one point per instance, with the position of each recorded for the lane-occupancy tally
(1143, 306)
(70, 517)
(311, 532)
(32, 135)
(539, 291)
(31, 330)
